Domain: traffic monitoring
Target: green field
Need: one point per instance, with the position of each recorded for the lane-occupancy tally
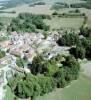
(57, 23)
(78, 90)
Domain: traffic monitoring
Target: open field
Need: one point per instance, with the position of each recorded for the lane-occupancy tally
(56, 23)
(78, 90)
(45, 9)
(38, 9)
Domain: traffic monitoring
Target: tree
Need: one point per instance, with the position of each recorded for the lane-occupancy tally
(55, 13)
(68, 39)
(85, 31)
(59, 78)
(38, 65)
(42, 66)
(27, 22)
(1, 26)
(73, 65)
(2, 54)
(20, 62)
(88, 51)
(78, 52)
(24, 89)
(46, 83)
(30, 86)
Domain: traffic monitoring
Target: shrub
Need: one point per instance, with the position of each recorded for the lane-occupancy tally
(2, 54)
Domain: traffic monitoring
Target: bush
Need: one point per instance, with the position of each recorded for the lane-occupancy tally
(1, 26)
(55, 13)
(81, 5)
(26, 22)
(2, 54)
(29, 85)
(85, 31)
(20, 62)
(68, 39)
(78, 52)
(59, 5)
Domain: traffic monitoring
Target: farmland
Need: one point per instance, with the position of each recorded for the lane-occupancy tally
(57, 23)
(46, 10)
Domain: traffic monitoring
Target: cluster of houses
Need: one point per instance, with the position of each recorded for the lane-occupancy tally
(26, 45)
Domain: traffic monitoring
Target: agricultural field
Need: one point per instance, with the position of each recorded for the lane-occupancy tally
(38, 9)
(46, 9)
(57, 22)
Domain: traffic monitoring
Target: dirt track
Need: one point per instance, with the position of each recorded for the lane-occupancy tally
(86, 69)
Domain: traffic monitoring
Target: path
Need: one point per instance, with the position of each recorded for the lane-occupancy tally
(87, 68)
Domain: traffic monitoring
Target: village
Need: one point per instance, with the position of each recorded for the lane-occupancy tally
(45, 49)
(26, 46)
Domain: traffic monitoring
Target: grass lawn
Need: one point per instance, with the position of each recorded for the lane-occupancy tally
(57, 23)
(78, 90)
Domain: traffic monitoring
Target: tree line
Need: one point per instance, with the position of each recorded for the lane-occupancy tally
(45, 76)
(80, 43)
(26, 22)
